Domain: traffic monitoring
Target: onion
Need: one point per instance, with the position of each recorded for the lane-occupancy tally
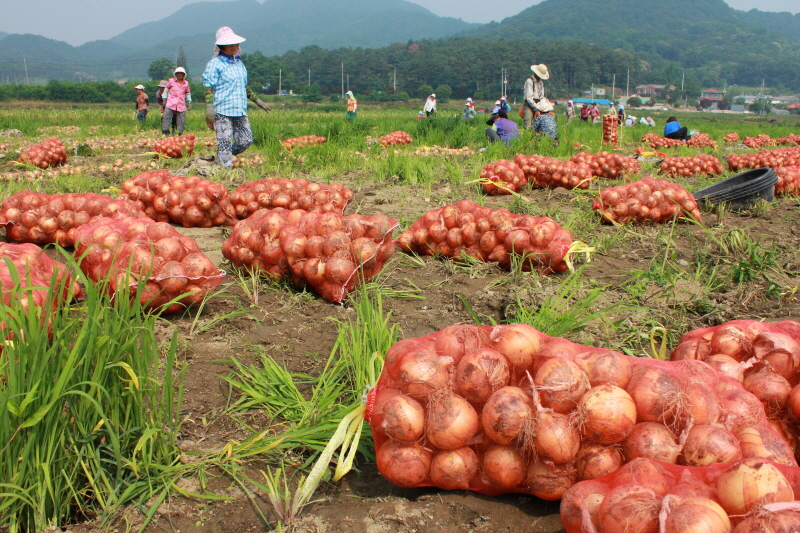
(595, 460)
(656, 393)
(580, 506)
(607, 414)
(459, 339)
(506, 413)
(726, 365)
(772, 518)
(779, 350)
(396, 353)
(645, 472)
(422, 373)
(701, 405)
(739, 408)
(403, 419)
(450, 421)
(630, 508)
(651, 440)
(560, 384)
(453, 469)
(770, 388)
(504, 466)
(518, 342)
(480, 373)
(794, 401)
(698, 515)
(556, 438)
(731, 341)
(605, 368)
(707, 445)
(763, 443)
(752, 482)
(404, 465)
(550, 481)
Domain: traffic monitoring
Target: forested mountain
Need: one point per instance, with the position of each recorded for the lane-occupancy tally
(784, 23)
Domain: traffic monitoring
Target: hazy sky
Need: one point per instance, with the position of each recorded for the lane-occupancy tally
(79, 21)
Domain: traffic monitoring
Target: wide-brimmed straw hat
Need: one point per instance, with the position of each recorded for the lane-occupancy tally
(541, 71)
(225, 36)
(140, 86)
(350, 94)
(162, 83)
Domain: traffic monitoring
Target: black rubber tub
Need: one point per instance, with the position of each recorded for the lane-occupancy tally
(741, 191)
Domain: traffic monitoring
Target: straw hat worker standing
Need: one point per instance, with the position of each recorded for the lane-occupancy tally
(534, 91)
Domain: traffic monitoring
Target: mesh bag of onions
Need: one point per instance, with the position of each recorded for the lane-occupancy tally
(657, 141)
(178, 146)
(732, 138)
(509, 409)
(190, 201)
(546, 172)
(759, 141)
(701, 140)
(396, 137)
(648, 199)
(502, 177)
(689, 166)
(644, 496)
(780, 157)
(328, 252)
(788, 180)
(606, 165)
(49, 153)
(491, 235)
(611, 130)
(31, 274)
(120, 254)
(302, 142)
(50, 218)
(271, 193)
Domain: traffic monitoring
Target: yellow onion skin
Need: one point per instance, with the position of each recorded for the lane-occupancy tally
(752, 482)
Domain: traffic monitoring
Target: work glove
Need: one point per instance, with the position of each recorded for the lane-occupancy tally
(262, 105)
(251, 95)
(210, 114)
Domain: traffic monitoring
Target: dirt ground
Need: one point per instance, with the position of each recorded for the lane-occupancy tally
(295, 329)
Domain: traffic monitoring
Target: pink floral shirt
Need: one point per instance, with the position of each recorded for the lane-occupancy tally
(176, 98)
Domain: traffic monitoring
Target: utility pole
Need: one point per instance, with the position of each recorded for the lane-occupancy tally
(342, 79)
(348, 81)
(395, 77)
(613, 87)
(628, 83)
(309, 77)
(279, 80)
(26, 70)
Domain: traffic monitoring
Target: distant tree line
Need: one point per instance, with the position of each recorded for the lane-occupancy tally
(89, 92)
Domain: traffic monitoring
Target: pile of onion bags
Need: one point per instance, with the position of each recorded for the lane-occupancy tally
(128, 250)
(701, 140)
(732, 138)
(502, 177)
(606, 165)
(759, 141)
(788, 180)
(648, 199)
(749, 496)
(35, 272)
(50, 218)
(508, 409)
(780, 157)
(689, 166)
(190, 201)
(491, 235)
(611, 130)
(178, 146)
(549, 173)
(49, 153)
(396, 137)
(301, 142)
(656, 141)
(271, 193)
(328, 252)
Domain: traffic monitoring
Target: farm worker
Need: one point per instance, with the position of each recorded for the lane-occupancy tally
(673, 130)
(644, 121)
(141, 103)
(160, 98)
(611, 109)
(594, 112)
(226, 77)
(621, 113)
(430, 105)
(584, 113)
(497, 108)
(570, 111)
(352, 106)
(651, 122)
(503, 129)
(469, 109)
(630, 120)
(533, 91)
(545, 122)
(504, 105)
(178, 91)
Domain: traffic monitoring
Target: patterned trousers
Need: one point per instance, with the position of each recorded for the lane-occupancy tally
(234, 136)
(175, 118)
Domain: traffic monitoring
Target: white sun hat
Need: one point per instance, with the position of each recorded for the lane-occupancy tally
(544, 105)
(541, 71)
(225, 36)
(140, 86)
(434, 95)
(180, 69)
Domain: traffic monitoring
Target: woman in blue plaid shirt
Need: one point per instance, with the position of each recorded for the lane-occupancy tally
(226, 114)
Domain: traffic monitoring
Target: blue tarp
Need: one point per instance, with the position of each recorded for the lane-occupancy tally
(590, 101)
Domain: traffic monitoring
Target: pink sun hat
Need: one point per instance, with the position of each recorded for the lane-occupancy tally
(225, 36)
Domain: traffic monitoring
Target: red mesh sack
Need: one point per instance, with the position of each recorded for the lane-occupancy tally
(648, 199)
(656, 141)
(127, 250)
(271, 193)
(701, 140)
(606, 165)
(751, 496)
(546, 172)
(190, 201)
(509, 409)
(178, 146)
(49, 153)
(34, 270)
(759, 141)
(611, 130)
(396, 137)
(732, 138)
(302, 142)
(502, 177)
(689, 166)
(50, 218)
(489, 235)
(780, 157)
(328, 252)
(788, 180)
